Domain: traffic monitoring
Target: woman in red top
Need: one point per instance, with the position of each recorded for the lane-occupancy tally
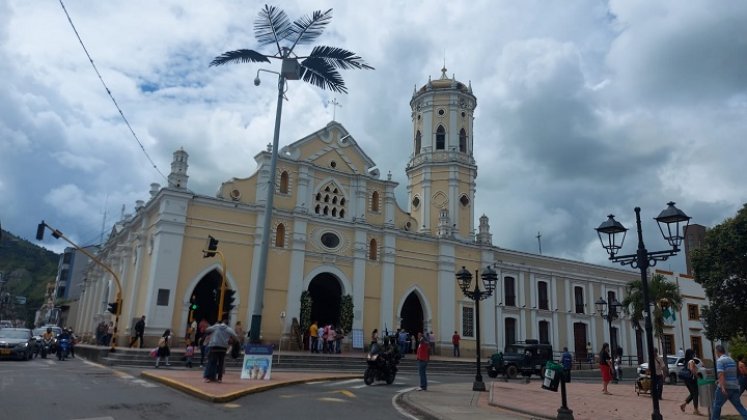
(605, 366)
(422, 355)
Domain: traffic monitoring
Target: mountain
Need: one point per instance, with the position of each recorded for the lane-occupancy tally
(26, 270)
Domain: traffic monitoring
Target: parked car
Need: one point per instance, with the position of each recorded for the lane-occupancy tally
(528, 358)
(675, 364)
(17, 343)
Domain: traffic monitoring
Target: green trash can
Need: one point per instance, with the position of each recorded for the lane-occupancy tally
(553, 372)
(706, 390)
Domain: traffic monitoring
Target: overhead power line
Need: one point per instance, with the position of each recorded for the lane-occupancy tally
(109, 92)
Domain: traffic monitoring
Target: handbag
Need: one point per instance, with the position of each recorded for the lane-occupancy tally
(154, 353)
(685, 374)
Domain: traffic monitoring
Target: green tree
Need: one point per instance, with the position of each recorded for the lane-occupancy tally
(306, 302)
(346, 313)
(720, 266)
(665, 295)
(319, 68)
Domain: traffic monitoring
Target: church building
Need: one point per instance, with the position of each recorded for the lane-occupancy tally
(337, 230)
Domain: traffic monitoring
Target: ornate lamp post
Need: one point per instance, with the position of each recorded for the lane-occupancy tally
(489, 279)
(611, 315)
(670, 218)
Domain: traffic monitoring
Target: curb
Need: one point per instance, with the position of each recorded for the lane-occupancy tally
(237, 394)
(413, 408)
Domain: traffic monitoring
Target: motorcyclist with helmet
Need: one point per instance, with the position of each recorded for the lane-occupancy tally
(47, 342)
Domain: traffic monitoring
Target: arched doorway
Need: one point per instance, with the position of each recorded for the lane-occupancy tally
(326, 292)
(205, 297)
(412, 314)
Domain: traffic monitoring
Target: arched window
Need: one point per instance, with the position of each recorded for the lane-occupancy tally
(542, 295)
(375, 201)
(417, 142)
(372, 251)
(280, 236)
(463, 141)
(284, 182)
(440, 138)
(510, 329)
(510, 291)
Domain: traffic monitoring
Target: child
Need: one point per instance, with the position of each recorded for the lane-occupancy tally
(189, 353)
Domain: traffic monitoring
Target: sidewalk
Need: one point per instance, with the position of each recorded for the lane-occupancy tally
(517, 400)
(504, 400)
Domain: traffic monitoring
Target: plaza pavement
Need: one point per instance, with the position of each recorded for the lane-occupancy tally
(504, 400)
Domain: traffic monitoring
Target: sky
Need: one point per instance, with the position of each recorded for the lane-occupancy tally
(584, 108)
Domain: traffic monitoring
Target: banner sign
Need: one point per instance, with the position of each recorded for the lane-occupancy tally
(257, 362)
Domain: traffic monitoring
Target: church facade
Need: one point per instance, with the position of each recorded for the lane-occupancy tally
(338, 230)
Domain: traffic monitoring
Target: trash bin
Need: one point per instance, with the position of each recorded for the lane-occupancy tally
(553, 372)
(706, 389)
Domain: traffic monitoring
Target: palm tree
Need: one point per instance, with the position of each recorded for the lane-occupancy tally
(664, 294)
(319, 68)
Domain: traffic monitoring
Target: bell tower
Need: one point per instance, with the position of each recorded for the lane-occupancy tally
(441, 172)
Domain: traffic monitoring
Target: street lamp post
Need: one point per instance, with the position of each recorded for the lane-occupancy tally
(609, 315)
(489, 279)
(671, 218)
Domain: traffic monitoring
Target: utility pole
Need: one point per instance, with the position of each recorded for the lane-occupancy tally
(539, 241)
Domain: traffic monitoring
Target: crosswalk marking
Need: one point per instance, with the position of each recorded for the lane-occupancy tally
(349, 381)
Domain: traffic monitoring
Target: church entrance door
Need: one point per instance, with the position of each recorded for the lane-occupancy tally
(204, 299)
(412, 314)
(326, 294)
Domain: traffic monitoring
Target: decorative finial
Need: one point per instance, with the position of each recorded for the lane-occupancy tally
(334, 104)
(443, 73)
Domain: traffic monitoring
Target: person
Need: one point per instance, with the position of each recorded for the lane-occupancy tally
(220, 333)
(139, 331)
(618, 366)
(100, 333)
(374, 336)
(741, 374)
(567, 361)
(239, 330)
(432, 342)
(189, 353)
(201, 340)
(73, 339)
(163, 348)
(422, 354)
(727, 386)
(455, 342)
(659, 373)
(589, 353)
(109, 333)
(320, 341)
(339, 335)
(605, 366)
(680, 352)
(692, 383)
(402, 340)
(313, 331)
(331, 337)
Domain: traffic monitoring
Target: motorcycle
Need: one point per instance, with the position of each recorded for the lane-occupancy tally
(47, 347)
(382, 365)
(63, 349)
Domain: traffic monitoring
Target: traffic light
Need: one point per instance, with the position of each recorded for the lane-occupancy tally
(40, 231)
(113, 307)
(228, 300)
(211, 248)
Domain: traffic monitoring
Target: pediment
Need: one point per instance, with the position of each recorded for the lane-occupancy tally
(331, 147)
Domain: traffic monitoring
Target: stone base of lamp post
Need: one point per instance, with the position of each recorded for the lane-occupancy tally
(478, 385)
(564, 414)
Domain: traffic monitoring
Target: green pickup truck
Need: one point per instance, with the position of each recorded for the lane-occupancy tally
(524, 357)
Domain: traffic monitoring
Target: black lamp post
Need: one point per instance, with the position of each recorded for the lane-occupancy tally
(671, 218)
(611, 315)
(489, 279)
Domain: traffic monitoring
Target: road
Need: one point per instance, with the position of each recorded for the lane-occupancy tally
(75, 389)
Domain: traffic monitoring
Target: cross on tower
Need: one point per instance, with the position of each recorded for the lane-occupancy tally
(334, 104)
